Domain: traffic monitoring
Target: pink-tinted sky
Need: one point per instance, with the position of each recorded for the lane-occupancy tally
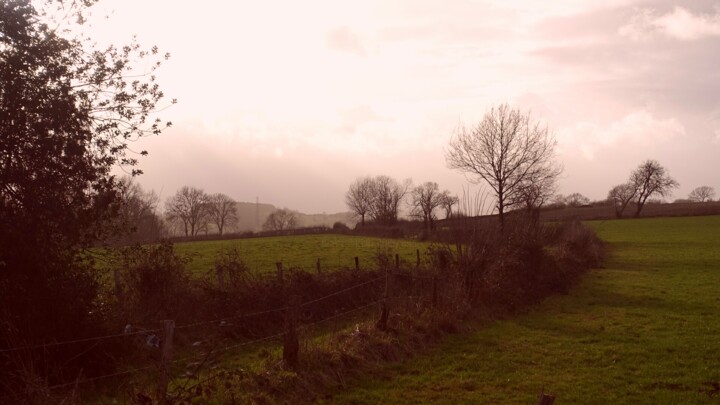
(291, 101)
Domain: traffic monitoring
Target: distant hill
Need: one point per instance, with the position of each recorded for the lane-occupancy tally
(252, 216)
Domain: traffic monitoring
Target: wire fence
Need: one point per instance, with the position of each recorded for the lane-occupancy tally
(162, 339)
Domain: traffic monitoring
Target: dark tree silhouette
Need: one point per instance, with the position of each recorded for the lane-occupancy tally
(67, 113)
(702, 194)
(576, 200)
(447, 201)
(621, 195)
(651, 179)
(506, 149)
(190, 206)
(222, 211)
(387, 195)
(280, 220)
(359, 197)
(425, 198)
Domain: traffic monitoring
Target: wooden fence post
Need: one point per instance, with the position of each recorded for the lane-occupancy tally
(357, 264)
(165, 360)
(397, 261)
(291, 345)
(317, 265)
(546, 399)
(381, 324)
(279, 267)
(220, 277)
(418, 258)
(118, 286)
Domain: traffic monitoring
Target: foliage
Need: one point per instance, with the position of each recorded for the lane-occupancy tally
(68, 110)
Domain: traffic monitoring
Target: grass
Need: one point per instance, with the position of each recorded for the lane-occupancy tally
(334, 251)
(641, 330)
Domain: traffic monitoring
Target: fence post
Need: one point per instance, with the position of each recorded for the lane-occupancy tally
(220, 277)
(357, 264)
(317, 265)
(291, 345)
(381, 324)
(418, 258)
(278, 266)
(165, 360)
(118, 286)
(546, 399)
(434, 296)
(397, 261)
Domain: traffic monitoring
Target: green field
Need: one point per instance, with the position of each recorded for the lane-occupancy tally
(334, 251)
(644, 329)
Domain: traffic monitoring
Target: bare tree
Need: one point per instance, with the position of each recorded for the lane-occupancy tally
(137, 214)
(576, 200)
(189, 205)
(650, 179)
(447, 201)
(425, 198)
(702, 194)
(222, 211)
(359, 197)
(280, 220)
(387, 194)
(505, 149)
(534, 192)
(621, 195)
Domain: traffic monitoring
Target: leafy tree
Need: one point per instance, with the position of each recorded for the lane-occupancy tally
(651, 179)
(67, 112)
(280, 220)
(222, 211)
(621, 195)
(702, 194)
(190, 206)
(507, 150)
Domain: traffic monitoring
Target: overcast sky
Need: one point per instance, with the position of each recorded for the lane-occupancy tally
(291, 101)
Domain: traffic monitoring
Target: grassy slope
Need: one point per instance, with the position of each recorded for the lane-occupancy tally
(334, 251)
(643, 329)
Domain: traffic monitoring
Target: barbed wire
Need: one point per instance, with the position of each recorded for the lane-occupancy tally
(342, 291)
(67, 342)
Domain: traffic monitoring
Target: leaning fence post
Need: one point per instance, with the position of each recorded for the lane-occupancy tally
(357, 264)
(291, 346)
(381, 324)
(165, 360)
(546, 399)
(317, 265)
(279, 267)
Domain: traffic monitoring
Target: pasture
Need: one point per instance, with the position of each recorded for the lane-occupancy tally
(643, 329)
(334, 251)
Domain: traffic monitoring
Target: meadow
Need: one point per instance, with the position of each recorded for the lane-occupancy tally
(643, 329)
(334, 251)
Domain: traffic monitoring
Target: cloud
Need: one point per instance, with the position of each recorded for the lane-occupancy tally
(637, 129)
(344, 39)
(678, 24)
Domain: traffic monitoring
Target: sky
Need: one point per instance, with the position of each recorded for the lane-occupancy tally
(290, 102)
